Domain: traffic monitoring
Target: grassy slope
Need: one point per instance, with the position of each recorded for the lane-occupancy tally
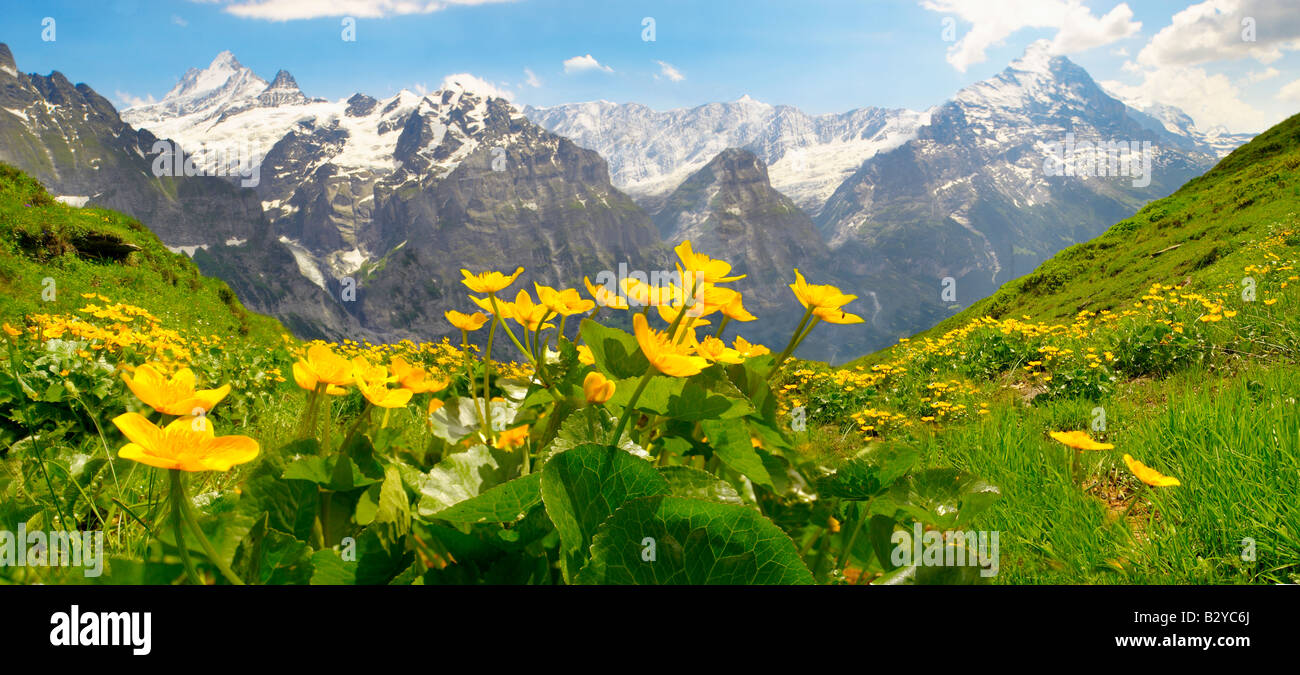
(41, 239)
(1230, 431)
(1208, 219)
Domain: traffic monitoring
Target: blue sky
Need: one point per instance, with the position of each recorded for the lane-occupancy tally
(821, 55)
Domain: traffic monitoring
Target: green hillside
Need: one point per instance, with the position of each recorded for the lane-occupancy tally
(51, 254)
(1172, 338)
(1198, 236)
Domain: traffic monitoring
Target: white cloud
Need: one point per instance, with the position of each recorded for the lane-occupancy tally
(1211, 100)
(669, 71)
(1261, 75)
(1077, 28)
(1217, 30)
(129, 101)
(289, 10)
(1290, 93)
(179, 21)
(477, 85)
(531, 80)
(579, 64)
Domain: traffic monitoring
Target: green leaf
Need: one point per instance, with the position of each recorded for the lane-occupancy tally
(697, 403)
(730, 441)
(502, 504)
(464, 474)
(678, 540)
(685, 481)
(266, 556)
(867, 476)
(616, 352)
(950, 498)
(335, 472)
(581, 487)
(292, 505)
(329, 569)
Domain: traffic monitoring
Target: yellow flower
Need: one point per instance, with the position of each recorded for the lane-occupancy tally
(489, 282)
(416, 378)
(11, 331)
(381, 396)
(717, 351)
(512, 438)
(705, 268)
(503, 307)
(605, 297)
(669, 358)
(597, 387)
(1269, 301)
(435, 404)
(188, 444)
(175, 395)
(833, 315)
(528, 313)
(364, 370)
(669, 314)
(565, 303)
(735, 309)
(748, 350)
(322, 365)
(466, 322)
(818, 296)
(585, 357)
(646, 295)
(1079, 440)
(1148, 475)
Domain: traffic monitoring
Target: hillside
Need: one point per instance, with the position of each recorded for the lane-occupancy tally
(51, 254)
(1196, 239)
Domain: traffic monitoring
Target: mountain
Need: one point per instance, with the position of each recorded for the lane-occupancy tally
(976, 200)
(650, 152)
(72, 140)
(392, 197)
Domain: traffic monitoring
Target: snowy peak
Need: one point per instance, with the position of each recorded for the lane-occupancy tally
(283, 90)
(202, 94)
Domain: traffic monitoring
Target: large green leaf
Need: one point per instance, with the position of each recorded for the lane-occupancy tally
(502, 504)
(464, 474)
(679, 540)
(730, 441)
(616, 352)
(581, 487)
(685, 481)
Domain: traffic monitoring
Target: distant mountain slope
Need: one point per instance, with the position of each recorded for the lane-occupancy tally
(651, 152)
(1196, 238)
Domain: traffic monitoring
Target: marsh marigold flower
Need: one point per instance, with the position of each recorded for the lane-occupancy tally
(322, 365)
(597, 388)
(512, 438)
(748, 350)
(489, 282)
(175, 395)
(717, 351)
(669, 358)
(585, 357)
(706, 269)
(1148, 475)
(466, 322)
(605, 297)
(188, 444)
(565, 303)
(416, 378)
(818, 296)
(1079, 440)
(381, 396)
(835, 315)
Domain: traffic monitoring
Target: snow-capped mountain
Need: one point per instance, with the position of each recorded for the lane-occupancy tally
(650, 152)
(982, 194)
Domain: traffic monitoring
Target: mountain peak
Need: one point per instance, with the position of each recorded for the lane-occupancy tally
(1039, 58)
(7, 64)
(282, 90)
(283, 80)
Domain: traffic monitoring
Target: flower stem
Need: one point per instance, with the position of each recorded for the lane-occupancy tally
(794, 341)
(178, 527)
(631, 405)
(182, 502)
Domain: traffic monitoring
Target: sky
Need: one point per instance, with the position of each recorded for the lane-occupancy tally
(1230, 63)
